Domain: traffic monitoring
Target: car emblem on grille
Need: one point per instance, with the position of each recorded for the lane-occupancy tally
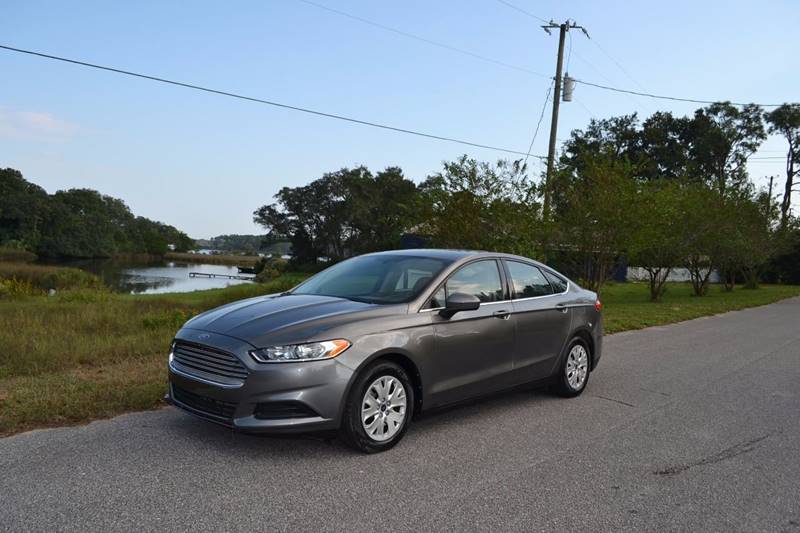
(204, 336)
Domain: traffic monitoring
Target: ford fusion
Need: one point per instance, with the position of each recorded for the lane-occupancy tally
(366, 344)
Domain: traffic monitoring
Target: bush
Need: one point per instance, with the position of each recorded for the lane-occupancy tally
(11, 289)
(269, 268)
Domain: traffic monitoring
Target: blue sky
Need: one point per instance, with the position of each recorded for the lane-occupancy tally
(203, 162)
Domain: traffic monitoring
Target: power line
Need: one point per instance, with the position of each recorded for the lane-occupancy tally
(510, 65)
(538, 124)
(617, 63)
(528, 13)
(267, 102)
(424, 39)
(662, 97)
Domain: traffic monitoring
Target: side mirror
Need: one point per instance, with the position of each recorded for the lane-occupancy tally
(460, 301)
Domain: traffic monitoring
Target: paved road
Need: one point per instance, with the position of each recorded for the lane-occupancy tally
(690, 427)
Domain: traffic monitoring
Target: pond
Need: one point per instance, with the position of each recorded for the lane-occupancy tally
(157, 276)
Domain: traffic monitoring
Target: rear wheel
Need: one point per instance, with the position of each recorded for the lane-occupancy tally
(573, 374)
(379, 408)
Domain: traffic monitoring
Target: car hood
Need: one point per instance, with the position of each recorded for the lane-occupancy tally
(283, 319)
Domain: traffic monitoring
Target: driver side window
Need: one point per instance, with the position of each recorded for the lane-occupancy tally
(481, 279)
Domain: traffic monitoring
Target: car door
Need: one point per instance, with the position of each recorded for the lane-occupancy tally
(473, 349)
(543, 320)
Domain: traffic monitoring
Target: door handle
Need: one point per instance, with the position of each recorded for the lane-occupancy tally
(563, 308)
(502, 314)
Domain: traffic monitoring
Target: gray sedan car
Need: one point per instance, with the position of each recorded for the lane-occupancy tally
(366, 344)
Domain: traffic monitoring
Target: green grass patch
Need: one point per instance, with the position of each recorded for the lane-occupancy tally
(86, 354)
(627, 306)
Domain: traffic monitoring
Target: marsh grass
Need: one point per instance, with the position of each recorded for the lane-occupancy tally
(16, 255)
(46, 277)
(83, 354)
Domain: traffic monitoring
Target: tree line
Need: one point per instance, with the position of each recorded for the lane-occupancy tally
(77, 223)
(664, 193)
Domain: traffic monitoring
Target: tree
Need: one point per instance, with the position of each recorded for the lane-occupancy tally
(480, 206)
(656, 243)
(720, 138)
(747, 241)
(702, 220)
(23, 206)
(596, 219)
(785, 120)
(77, 222)
(381, 209)
(664, 142)
(343, 213)
(617, 136)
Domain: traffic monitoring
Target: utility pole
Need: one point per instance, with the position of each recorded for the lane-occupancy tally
(551, 151)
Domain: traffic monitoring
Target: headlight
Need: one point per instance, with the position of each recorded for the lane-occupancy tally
(311, 351)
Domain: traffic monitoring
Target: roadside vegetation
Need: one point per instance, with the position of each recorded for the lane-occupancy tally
(85, 354)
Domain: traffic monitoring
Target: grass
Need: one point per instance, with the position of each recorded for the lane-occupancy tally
(46, 277)
(213, 259)
(627, 306)
(84, 354)
(16, 255)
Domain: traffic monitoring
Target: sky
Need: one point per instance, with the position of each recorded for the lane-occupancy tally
(204, 162)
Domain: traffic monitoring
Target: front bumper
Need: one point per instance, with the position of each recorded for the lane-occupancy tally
(314, 390)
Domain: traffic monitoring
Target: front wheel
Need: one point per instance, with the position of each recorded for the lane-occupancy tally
(379, 408)
(573, 374)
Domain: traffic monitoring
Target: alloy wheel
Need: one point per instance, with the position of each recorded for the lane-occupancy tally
(577, 366)
(383, 408)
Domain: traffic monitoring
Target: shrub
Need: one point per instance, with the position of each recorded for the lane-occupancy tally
(269, 268)
(11, 289)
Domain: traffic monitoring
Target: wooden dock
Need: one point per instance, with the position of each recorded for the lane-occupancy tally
(224, 276)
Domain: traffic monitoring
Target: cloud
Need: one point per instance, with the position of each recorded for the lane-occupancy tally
(34, 125)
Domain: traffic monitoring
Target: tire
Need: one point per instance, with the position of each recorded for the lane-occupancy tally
(574, 370)
(375, 427)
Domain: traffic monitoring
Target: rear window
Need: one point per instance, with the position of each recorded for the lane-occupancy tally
(559, 284)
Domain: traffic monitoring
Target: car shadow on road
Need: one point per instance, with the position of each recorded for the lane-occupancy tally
(477, 415)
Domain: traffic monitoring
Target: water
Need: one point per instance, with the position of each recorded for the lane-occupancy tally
(156, 276)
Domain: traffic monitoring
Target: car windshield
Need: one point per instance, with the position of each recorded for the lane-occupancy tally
(380, 279)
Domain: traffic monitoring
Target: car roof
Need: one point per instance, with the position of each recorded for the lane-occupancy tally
(453, 254)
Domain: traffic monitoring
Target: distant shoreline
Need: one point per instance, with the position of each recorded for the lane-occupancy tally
(213, 259)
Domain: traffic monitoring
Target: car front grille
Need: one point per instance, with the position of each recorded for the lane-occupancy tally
(208, 363)
(204, 405)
